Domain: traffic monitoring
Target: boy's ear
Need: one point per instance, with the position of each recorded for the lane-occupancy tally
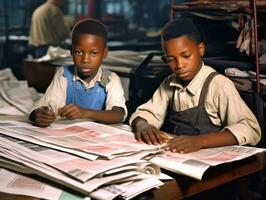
(105, 52)
(201, 48)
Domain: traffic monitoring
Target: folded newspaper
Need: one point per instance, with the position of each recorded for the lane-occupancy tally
(16, 97)
(20, 150)
(196, 163)
(99, 160)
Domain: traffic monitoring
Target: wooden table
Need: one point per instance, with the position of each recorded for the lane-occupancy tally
(183, 187)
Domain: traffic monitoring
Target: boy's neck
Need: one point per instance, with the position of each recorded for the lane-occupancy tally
(86, 78)
(184, 83)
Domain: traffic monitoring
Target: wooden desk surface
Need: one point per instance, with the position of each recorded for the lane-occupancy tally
(183, 187)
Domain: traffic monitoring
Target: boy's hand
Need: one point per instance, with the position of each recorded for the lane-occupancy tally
(149, 134)
(42, 117)
(184, 144)
(71, 111)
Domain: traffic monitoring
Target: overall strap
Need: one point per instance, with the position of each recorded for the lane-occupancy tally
(205, 87)
(105, 77)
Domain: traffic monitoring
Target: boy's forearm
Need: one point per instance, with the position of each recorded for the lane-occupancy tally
(106, 116)
(223, 138)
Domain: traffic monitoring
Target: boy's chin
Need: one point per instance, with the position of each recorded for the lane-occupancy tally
(184, 78)
(83, 74)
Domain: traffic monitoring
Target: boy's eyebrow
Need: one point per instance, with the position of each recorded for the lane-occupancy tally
(185, 51)
(89, 50)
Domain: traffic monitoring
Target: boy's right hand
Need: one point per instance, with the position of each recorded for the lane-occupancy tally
(42, 117)
(148, 133)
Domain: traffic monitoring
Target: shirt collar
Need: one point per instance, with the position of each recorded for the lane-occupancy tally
(194, 84)
(91, 84)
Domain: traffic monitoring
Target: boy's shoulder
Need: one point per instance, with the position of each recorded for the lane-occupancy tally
(219, 79)
(108, 76)
(221, 83)
(170, 78)
(106, 72)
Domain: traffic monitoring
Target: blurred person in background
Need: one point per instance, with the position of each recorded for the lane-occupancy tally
(47, 27)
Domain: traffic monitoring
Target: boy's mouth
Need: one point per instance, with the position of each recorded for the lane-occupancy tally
(86, 69)
(182, 74)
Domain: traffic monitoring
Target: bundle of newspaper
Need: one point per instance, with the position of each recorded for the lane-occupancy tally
(15, 183)
(19, 184)
(99, 160)
(83, 175)
(86, 139)
(16, 98)
(196, 163)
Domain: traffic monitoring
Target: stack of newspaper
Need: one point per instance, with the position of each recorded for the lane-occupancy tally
(93, 159)
(16, 98)
(96, 160)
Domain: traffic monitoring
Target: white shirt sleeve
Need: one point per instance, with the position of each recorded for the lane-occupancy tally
(55, 95)
(115, 94)
(233, 112)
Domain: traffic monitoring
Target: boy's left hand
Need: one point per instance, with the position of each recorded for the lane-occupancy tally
(71, 111)
(184, 144)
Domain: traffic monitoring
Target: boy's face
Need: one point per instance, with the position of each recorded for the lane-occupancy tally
(184, 56)
(88, 53)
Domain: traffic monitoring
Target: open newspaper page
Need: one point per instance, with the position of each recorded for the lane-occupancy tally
(14, 183)
(16, 98)
(17, 94)
(196, 163)
(35, 140)
(88, 137)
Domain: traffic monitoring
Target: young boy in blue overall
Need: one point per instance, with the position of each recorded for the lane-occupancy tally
(85, 90)
(205, 108)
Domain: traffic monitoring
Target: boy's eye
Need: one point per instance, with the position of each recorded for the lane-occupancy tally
(187, 55)
(94, 53)
(170, 59)
(78, 53)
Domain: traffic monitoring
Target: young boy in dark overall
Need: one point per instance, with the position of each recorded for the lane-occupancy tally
(84, 90)
(205, 108)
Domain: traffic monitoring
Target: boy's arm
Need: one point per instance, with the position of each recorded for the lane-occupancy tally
(55, 95)
(115, 95)
(235, 115)
(106, 116)
(72, 111)
(186, 144)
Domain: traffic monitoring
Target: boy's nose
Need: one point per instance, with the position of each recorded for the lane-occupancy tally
(180, 62)
(85, 58)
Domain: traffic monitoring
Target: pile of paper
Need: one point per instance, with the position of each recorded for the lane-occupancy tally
(196, 163)
(15, 183)
(16, 98)
(88, 157)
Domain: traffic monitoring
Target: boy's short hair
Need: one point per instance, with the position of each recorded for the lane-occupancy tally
(179, 27)
(89, 26)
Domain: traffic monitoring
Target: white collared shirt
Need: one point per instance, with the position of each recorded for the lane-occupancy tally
(56, 93)
(223, 104)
